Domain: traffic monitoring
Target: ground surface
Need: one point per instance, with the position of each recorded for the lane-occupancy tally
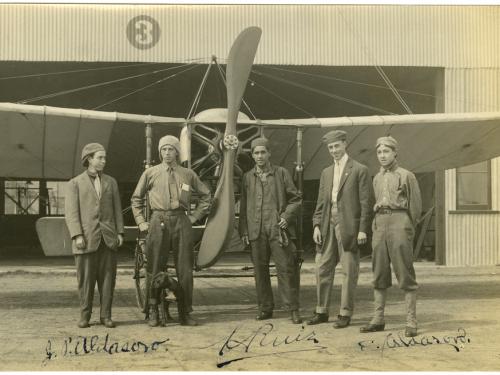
(458, 313)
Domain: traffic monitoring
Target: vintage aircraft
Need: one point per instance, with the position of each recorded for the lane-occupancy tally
(44, 142)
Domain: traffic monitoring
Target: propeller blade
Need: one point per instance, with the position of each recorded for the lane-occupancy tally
(219, 229)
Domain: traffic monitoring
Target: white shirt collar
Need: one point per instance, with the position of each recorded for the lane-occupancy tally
(342, 161)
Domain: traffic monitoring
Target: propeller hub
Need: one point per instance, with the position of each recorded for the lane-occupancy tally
(230, 142)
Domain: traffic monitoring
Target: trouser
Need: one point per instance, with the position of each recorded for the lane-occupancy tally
(98, 266)
(170, 231)
(392, 242)
(326, 261)
(263, 247)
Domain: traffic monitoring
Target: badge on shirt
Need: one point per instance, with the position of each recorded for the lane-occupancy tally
(185, 187)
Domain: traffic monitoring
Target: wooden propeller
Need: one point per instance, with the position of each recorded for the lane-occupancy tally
(220, 224)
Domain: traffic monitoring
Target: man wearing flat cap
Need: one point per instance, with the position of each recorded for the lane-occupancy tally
(397, 210)
(93, 215)
(341, 222)
(169, 186)
(268, 209)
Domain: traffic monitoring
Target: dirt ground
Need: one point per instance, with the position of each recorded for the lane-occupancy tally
(458, 313)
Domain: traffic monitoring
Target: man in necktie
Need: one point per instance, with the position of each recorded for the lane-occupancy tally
(341, 222)
(168, 186)
(268, 209)
(94, 218)
(397, 210)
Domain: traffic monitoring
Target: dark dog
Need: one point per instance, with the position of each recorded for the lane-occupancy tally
(163, 280)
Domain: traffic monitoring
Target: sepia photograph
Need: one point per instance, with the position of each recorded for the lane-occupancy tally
(249, 187)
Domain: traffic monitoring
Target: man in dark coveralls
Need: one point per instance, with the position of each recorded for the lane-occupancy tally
(268, 208)
(397, 210)
(169, 188)
(341, 222)
(93, 215)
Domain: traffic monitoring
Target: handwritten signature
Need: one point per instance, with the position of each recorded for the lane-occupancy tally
(392, 341)
(265, 341)
(83, 345)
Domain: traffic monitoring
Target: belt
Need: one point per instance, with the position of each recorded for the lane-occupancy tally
(176, 212)
(388, 211)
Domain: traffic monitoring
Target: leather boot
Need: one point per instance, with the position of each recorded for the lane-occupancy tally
(153, 316)
(379, 299)
(411, 310)
(377, 323)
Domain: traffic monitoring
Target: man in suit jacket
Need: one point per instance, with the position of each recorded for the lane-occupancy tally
(341, 222)
(268, 208)
(93, 215)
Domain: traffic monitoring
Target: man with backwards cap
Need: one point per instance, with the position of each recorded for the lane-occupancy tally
(397, 210)
(93, 215)
(268, 208)
(341, 222)
(169, 186)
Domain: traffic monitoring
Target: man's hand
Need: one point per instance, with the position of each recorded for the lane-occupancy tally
(120, 240)
(282, 223)
(317, 236)
(80, 242)
(362, 238)
(192, 219)
(144, 227)
(245, 240)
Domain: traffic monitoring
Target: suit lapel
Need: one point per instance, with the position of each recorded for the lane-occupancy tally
(104, 184)
(345, 173)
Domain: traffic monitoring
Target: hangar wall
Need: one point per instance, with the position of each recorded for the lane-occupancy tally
(472, 238)
(394, 35)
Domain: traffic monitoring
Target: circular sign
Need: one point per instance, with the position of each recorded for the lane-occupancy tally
(143, 32)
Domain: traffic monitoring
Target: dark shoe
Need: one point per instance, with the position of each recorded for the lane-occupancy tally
(153, 317)
(296, 319)
(318, 318)
(83, 323)
(108, 323)
(410, 332)
(342, 321)
(372, 328)
(264, 315)
(187, 320)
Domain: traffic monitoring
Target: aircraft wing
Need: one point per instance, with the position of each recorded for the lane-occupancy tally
(427, 142)
(45, 142)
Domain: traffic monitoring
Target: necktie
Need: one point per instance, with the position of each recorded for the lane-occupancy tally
(336, 181)
(97, 186)
(173, 190)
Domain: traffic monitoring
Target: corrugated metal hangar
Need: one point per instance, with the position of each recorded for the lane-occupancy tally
(313, 61)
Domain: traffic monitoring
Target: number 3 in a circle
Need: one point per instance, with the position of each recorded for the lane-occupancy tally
(143, 32)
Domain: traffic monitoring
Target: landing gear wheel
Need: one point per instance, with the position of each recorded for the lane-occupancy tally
(140, 273)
